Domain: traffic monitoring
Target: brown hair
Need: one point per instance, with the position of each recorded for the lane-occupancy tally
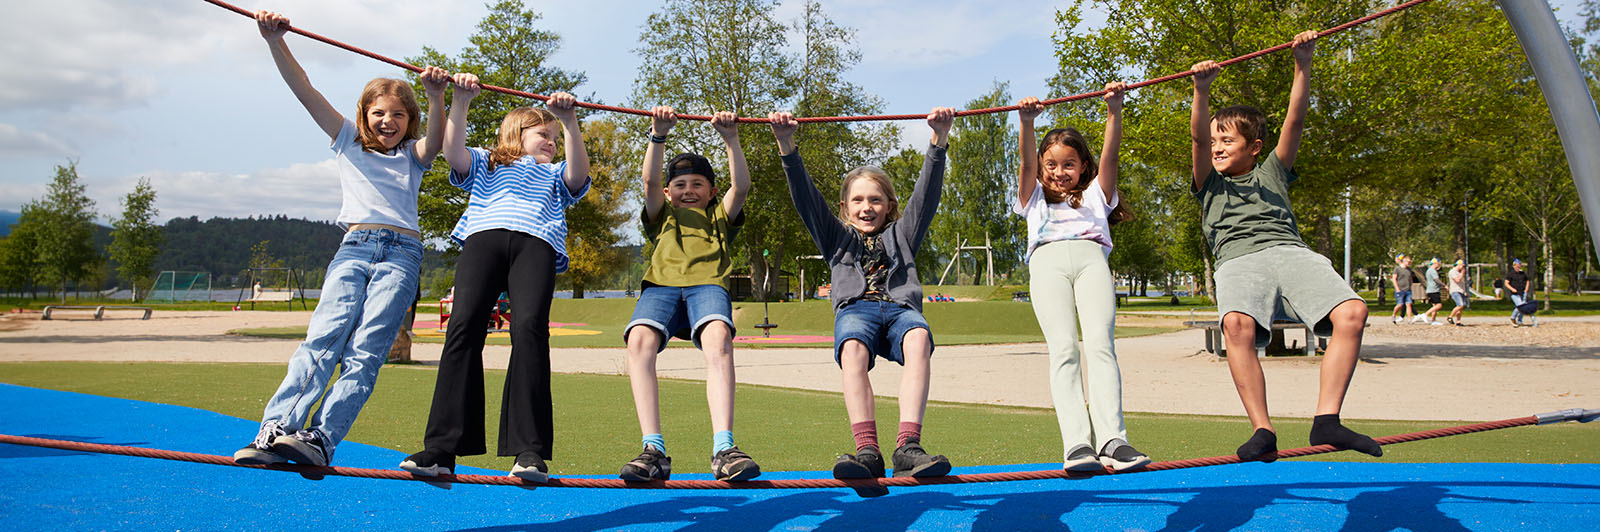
(509, 147)
(1248, 121)
(387, 87)
(1073, 139)
(877, 176)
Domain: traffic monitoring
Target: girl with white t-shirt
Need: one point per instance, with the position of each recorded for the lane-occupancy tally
(1070, 204)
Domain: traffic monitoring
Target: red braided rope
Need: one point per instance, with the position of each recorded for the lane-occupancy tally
(860, 118)
(317, 472)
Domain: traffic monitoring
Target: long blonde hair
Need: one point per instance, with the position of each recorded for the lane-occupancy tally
(509, 147)
(387, 87)
(877, 176)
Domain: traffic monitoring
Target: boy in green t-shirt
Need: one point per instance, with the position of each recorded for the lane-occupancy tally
(684, 292)
(1264, 270)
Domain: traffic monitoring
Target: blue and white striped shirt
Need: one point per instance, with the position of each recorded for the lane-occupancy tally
(524, 196)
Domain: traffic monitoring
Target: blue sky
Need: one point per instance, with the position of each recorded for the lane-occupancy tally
(185, 93)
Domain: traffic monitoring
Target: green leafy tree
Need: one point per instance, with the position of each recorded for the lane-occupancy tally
(65, 245)
(596, 220)
(135, 237)
(980, 188)
(19, 261)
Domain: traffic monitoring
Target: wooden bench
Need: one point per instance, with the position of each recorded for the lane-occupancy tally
(1217, 345)
(99, 310)
(285, 295)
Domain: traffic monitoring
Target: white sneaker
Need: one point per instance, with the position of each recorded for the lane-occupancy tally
(1436, 323)
(1399, 320)
(1417, 319)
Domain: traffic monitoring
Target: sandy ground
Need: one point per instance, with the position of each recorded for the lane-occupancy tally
(1485, 371)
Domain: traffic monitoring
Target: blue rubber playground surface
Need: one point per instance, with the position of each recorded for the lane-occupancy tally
(48, 489)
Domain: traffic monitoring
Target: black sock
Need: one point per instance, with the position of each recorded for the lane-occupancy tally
(1263, 445)
(1325, 429)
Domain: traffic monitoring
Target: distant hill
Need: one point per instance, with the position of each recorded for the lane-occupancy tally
(7, 219)
(222, 245)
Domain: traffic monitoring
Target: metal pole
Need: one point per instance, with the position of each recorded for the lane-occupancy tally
(1347, 234)
(1565, 90)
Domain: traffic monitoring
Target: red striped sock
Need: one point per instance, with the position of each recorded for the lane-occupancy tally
(908, 431)
(866, 434)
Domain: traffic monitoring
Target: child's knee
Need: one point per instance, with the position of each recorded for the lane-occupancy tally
(643, 340)
(1237, 323)
(1351, 313)
(854, 354)
(916, 343)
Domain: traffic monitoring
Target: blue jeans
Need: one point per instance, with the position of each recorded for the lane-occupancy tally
(880, 325)
(371, 280)
(1517, 299)
(681, 311)
(1402, 297)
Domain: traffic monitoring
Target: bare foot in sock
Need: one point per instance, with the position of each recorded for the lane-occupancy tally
(1263, 445)
(1326, 430)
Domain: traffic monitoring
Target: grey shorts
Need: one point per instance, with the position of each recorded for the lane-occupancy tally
(1282, 283)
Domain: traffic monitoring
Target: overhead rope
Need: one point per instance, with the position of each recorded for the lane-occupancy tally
(1575, 414)
(859, 118)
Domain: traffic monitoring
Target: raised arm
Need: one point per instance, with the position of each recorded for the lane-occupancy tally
(919, 208)
(662, 118)
(1108, 152)
(455, 133)
(1028, 170)
(1294, 122)
(561, 105)
(273, 26)
(814, 211)
(727, 125)
(1200, 120)
(434, 80)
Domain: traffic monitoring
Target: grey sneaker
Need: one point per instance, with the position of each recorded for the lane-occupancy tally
(530, 467)
(911, 461)
(1120, 456)
(866, 463)
(733, 465)
(650, 465)
(1082, 458)
(303, 447)
(259, 451)
(430, 463)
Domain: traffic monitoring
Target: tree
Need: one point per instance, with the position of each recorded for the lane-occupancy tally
(135, 238)
(595, 221)
(508, 50)
(980, 187)
(19, 261)
(65, 244)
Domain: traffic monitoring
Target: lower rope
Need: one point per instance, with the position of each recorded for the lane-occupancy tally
(318, 472)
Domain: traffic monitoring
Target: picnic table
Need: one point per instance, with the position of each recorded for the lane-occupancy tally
(1217, 345)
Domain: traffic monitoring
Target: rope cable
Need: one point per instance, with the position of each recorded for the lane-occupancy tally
(859, 118)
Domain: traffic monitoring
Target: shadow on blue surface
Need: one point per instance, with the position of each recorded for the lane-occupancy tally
(68, 490)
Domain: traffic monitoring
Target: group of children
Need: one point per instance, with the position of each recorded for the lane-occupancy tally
(513, 234)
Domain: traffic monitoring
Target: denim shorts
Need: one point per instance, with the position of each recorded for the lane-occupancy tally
(681, 311)
(880, 325)
(1402, 297)
(1460, 298)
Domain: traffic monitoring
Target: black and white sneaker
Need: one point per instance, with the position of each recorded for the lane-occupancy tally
(733, 465)
(650, 465)
(1120, 456)
(911, 461)
(259, 451)
(303, 447)
(430, 463)
(1083, 459)
(530, 467)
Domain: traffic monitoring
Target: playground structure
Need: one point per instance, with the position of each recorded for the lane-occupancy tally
(955, 258)
(281, 288)
(174, 286)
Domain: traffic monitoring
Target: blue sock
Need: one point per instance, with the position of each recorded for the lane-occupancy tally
(656, 440)
(721, 441)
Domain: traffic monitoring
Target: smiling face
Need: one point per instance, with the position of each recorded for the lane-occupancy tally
(388, 120)
(1060, 167)
(540, 141)
(1231, 152)
(691, 190)
(866, 206)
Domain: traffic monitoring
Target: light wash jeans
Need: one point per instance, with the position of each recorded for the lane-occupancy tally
(371, 280)
(1517, 299)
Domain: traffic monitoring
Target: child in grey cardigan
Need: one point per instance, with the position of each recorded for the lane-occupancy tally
(877, 298)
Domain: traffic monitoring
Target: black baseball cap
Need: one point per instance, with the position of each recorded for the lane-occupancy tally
(696, 165)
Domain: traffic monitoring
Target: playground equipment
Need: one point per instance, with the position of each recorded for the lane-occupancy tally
(766, 288)
(174, 286)
(291, 284)
(988, 254)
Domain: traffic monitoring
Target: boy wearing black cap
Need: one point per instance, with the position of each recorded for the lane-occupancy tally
(684, 292)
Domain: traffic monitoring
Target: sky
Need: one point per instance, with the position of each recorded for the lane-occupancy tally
(185, 93)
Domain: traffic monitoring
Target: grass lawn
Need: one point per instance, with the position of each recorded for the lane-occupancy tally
(784, 429)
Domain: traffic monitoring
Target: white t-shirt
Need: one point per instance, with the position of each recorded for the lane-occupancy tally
(377, 188)
(1050, 222)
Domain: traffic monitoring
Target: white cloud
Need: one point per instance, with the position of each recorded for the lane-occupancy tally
(16, 143)
(893, 36)
(307, 190)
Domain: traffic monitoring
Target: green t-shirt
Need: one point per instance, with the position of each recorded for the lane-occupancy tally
(1250, 212)
(689, 246)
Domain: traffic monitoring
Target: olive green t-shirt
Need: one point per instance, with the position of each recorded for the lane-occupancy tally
(689, 246)
(1249, 212)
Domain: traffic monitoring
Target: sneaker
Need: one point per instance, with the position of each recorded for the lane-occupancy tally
(650, 465)
(1120, 456)
(1450, 320)
(530, 467)
(259, 452)
(430, 463)
(1460, 323)
(1398, 320)
(911, 461)
(866, 463)
(1082, 458)
(1418, 319)
(1435, 323)
(733, 465)
(303, 447)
